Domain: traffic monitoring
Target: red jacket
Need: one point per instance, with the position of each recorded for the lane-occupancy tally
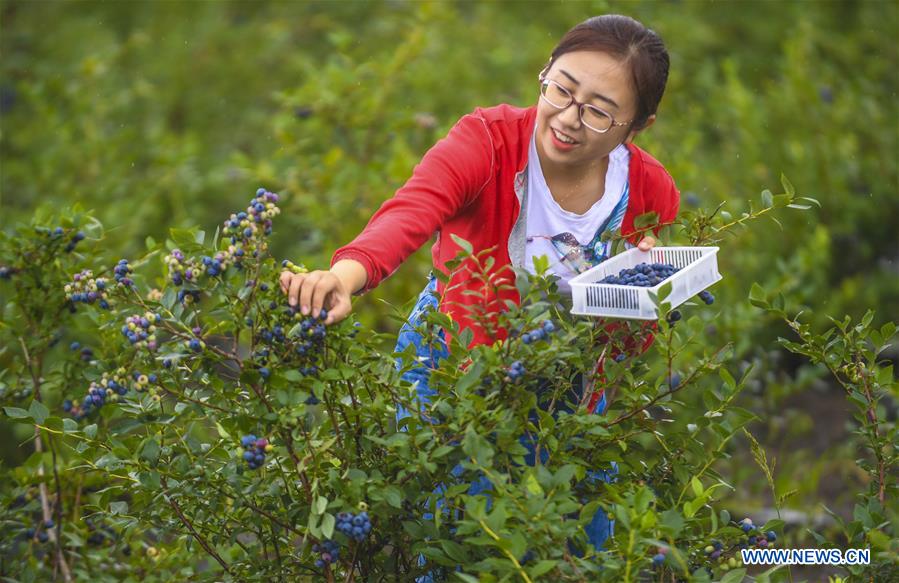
(473, 183)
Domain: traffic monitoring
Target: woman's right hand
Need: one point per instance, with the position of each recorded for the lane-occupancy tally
(325, 289)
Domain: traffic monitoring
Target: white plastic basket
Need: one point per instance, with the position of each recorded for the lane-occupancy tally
(698, 270)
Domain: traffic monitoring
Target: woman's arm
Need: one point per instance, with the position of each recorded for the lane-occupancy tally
(450, 176)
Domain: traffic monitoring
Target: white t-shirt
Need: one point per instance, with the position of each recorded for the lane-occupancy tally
(571, 241)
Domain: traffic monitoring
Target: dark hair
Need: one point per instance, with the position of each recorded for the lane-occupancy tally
(628, 40)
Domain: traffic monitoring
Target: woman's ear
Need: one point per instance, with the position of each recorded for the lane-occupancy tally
(633, 134)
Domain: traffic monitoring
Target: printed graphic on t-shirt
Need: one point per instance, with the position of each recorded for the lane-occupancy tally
(581, 257)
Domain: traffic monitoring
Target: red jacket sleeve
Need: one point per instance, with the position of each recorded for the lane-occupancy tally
(449, 177)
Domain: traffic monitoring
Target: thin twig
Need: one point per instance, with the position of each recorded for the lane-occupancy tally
(191, 528)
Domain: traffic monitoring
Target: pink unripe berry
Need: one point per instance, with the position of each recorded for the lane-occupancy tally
(261, 443)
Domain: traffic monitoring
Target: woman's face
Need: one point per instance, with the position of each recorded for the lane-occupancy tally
(591, 77)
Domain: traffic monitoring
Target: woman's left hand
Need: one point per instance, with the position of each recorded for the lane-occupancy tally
(646, 243)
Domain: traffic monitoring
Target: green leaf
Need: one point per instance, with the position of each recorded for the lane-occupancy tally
(646, 220)
(470, 378)
(532, 485)
(462, 243)
(758, 297)
(455, 551)
(327, 525)
(221, 431)
(697, 486)
(788, 186)
(149, 480)
(393, 496)
(150, 451)
(321, 504)
(767, 198)
(91, 431)
(543, 567)
(183, 238)
(734, 576)
(38, 412)
(119, 507)
(16, 413)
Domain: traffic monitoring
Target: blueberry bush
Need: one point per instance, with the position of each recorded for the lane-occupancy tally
(175, 407)
(160, 121)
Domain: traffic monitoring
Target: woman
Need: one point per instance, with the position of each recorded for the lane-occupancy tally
(546, 180)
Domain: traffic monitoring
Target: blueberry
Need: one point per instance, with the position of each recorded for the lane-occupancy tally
(658, 559)
(265, 372)
(74, 346)
(771, 535)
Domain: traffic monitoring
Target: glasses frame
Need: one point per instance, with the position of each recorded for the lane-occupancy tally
(544, 83)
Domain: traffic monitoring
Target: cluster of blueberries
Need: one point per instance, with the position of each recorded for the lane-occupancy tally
(515, 372)
(355, 526)
(650, 275)
(73, 241)
(70, 246)
(707, 297)
(183, 271)
(86, 352)
(715, 550)
(194, 345)
(642, 275)
(244, 226)
(141, 330)
(307, 345)
(255, 450)
(41, 534)
(107, 388)
(85, 289)
(121, 272)
(541, 333)
(328, 552)
(188, 296)
(760, 540)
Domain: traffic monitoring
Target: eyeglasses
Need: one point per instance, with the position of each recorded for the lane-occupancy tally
(591, 116)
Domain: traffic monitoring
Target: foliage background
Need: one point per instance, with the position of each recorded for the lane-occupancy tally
(161, 115)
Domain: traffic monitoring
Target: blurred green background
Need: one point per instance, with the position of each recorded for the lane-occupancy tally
(157, 115)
